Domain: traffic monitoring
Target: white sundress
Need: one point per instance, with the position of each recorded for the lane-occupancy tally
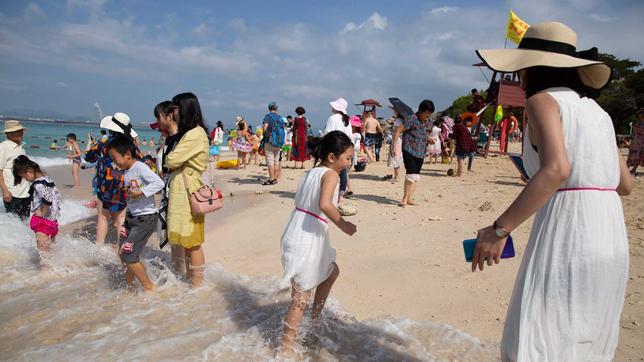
(307, 255)
(569, 291)
(434, 149)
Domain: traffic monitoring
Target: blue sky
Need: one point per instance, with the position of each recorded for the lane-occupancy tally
(236, 56)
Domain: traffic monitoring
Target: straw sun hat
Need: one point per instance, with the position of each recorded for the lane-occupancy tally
(12, 126)
(549, 44)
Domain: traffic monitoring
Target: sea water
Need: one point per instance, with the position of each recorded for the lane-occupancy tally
(77, 309)
(40, 135)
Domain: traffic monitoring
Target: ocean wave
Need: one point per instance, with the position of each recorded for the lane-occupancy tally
(50, 161)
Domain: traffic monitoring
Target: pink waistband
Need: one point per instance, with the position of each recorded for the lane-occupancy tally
(584, 189)
(312, 214)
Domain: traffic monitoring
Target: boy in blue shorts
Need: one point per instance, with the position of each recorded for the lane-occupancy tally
(141, 216)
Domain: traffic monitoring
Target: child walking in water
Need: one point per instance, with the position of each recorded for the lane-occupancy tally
(74, 155)
(141, 217)
(307, 256)
(45, 201)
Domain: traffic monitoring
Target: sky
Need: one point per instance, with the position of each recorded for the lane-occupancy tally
(127, 56)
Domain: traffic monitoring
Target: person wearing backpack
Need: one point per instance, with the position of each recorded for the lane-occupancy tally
(274, 137)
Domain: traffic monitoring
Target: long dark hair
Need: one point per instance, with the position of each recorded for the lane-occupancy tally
(335, 142)
(345, 119)
(540, 78)
(189, 112)
(22, 164)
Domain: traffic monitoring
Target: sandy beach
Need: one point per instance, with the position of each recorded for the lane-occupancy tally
(403, 262)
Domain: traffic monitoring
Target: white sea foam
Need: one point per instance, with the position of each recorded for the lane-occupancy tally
(50, 161)
(78, 308)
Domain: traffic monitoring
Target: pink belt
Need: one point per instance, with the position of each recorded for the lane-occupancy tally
(312, 214)
(584, 189)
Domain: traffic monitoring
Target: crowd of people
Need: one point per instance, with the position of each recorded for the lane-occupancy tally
(570, 287)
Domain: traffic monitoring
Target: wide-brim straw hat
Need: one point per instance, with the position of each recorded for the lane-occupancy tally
(12, 126)
(549, 44)
(340, 105)
(119, 122)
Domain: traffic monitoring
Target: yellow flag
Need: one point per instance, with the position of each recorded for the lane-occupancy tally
(516, 28)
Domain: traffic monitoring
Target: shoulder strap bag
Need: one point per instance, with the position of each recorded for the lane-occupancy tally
(203, 201)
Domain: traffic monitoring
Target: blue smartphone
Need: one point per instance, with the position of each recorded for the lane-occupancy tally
(469, 244)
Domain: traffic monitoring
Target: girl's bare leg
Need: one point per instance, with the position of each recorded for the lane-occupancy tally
(101, 224)
(293, 319)
(75, 170)
(212, 169)
(118, 219)
(322, 292)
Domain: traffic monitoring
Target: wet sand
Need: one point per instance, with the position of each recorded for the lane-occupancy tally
(403, 262)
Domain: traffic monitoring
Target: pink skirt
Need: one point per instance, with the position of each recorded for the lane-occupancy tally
(41, 225)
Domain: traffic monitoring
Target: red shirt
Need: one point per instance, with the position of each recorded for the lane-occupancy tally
(463, 137)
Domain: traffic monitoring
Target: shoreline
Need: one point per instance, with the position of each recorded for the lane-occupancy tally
(403, 262)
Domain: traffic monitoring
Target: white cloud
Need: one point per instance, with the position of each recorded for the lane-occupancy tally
(201, 30)
(238, 25)
(601, 18)
(425, 55)
(375, 21)
(94, 7)
(33, 11)
(61, 84)
(443, 10)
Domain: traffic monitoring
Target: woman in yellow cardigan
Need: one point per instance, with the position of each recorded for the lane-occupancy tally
(189, 157)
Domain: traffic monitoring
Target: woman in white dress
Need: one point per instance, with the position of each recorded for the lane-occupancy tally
(569, 292)
(307, 256)
(434, 147)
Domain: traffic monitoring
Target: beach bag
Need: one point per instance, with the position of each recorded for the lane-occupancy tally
(277, 134)
(203, 201)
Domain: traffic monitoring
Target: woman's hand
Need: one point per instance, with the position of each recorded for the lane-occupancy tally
(488, 247)
(347, 227)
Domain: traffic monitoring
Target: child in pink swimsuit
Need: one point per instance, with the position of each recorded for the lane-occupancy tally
(45, 201)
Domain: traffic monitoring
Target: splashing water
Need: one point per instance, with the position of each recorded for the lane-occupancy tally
(78, 308)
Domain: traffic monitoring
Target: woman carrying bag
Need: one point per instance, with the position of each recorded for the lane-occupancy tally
(187, 163)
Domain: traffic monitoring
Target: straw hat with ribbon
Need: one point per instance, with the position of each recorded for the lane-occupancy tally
(119, 122)
(550, 44)
(12, 126)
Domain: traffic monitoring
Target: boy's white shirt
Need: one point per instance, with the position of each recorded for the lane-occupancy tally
(149, 183)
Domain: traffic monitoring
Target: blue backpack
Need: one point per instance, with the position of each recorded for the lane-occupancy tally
(275, 130)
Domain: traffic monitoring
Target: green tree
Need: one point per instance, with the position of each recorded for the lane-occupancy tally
(622, 97)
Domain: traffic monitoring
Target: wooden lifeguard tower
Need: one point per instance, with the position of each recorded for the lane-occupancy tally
(369, 105)
(504, 90)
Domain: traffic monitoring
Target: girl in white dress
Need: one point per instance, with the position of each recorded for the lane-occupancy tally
(434, 148)
(569, 292)
(307, 256)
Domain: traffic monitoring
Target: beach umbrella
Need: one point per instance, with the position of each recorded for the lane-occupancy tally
(400, 107)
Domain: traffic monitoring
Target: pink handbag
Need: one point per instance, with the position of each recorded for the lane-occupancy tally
(203, 201)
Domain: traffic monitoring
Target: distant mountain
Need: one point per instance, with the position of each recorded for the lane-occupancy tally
(43, 114)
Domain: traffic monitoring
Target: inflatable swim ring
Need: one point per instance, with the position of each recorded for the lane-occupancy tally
(514, 124)
(227, 164)
(472, 116)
